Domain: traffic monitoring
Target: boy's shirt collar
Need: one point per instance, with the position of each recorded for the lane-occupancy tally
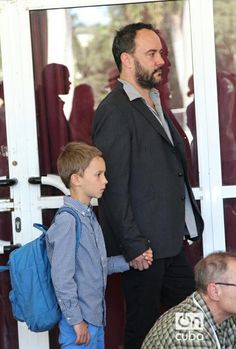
(84, 210)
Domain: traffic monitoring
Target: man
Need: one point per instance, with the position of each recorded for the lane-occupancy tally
(206, 319)
(144, 204)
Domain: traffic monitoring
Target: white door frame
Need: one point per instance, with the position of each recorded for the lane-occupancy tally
(204, 67)
(21, 131)
(21, 123)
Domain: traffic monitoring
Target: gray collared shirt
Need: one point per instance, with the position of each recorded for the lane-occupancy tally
(133, 94)
(79, 274)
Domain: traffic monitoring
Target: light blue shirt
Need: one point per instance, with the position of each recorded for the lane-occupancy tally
(133, 94)
(79, 274)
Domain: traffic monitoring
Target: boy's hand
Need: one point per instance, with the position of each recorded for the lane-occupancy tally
(143, 261)
(82, 333)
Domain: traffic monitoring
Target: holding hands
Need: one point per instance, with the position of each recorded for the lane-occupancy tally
(143, 261)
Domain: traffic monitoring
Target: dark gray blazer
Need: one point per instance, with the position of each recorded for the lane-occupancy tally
(144, 203)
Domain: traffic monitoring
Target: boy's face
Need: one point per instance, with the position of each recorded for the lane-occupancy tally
(93, 182)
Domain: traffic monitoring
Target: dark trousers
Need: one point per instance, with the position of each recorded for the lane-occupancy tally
(166, 283)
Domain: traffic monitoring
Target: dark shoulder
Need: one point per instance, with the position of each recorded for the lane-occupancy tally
(114, 108)
(116, 97)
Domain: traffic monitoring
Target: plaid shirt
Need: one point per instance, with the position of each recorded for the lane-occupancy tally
(190, 325)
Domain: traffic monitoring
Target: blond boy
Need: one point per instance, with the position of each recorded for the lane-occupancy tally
(79, 273)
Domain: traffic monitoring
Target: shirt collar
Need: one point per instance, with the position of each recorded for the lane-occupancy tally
(85, 210)
(197, 296)
(133, 93)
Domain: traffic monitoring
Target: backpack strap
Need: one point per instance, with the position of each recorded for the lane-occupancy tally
(70, 210)
(3, 268)
(75, 214)
(43, 228)
(40, 227)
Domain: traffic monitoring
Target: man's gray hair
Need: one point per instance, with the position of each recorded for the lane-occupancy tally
(212, 268)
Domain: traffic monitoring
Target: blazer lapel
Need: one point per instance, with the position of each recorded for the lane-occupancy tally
(178, 142)
(150, 117)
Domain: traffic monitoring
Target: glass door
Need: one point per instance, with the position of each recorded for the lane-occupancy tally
(74, 70)
(225, 44)
(56, 70)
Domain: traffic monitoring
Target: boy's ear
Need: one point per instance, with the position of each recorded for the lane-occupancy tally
(75, 179)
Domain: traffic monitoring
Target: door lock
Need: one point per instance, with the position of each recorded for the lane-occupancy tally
(18, 224)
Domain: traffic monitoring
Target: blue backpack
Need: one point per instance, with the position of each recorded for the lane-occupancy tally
(32, 296)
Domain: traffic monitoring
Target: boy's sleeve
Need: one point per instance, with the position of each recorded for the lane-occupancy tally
(117, 264)
(62, 239)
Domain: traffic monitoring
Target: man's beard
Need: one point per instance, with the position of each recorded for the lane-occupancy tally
(144, 78)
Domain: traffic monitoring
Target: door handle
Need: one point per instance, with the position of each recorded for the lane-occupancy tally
(55, 181)
(52, 180)
(35, 180)
(8, 182)
(8, 247)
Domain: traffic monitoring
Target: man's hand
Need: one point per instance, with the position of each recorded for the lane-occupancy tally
(82, 333)
(143, 261)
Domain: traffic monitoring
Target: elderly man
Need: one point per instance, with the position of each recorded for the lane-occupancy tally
(206, 319)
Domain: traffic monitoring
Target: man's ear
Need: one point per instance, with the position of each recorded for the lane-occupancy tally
(126, 59)
(213, 291)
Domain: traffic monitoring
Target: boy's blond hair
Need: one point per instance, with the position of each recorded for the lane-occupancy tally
(75, 157)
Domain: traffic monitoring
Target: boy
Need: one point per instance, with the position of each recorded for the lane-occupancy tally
(79, 273)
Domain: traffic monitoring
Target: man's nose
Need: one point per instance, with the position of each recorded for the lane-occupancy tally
(105, 180)
(160, 60)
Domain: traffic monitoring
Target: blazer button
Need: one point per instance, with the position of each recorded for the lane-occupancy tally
(183, 197)
(180, 174)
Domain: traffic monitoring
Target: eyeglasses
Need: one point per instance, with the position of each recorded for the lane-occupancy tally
(224, 284)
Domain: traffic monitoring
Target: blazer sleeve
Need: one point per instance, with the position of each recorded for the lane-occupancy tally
(112, 134)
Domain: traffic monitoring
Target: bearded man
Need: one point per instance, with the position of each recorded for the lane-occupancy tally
(148, 204)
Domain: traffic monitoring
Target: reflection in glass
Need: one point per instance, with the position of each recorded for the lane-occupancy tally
(191, 122)
(4, 171)
(225, 38)
(82, 112)
(52, 123)
(230, 224)
(82, 42)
